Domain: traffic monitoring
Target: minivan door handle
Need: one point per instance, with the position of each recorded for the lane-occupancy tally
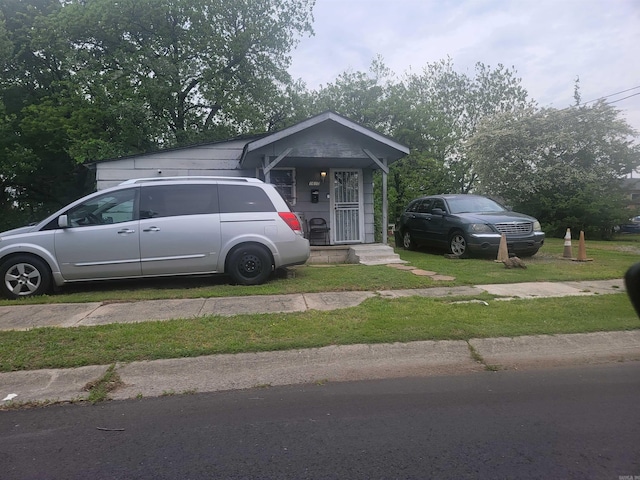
(151, 229)
(125, 231)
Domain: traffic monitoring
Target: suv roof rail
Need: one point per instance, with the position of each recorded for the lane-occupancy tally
(191, 177)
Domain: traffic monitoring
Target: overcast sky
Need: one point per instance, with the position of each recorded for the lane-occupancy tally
(549, 42)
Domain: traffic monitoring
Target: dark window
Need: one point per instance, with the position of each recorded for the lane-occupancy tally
(284, 179)
(439, 203)
(244, 198)
(425, 206)
(413, 206)
(171, 200)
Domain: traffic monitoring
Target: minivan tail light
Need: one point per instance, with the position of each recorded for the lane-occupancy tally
(292, 220)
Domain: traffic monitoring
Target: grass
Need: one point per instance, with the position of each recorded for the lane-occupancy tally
(99, 389)
(611, 260)
(377, 320)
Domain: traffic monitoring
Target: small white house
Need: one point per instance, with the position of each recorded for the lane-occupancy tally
(324, 166)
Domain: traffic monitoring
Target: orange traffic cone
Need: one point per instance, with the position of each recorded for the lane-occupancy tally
(582, 250)
(503, 251)
(567, 245)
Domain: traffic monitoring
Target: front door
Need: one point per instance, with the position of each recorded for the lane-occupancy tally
(346, 203)
(103, 238)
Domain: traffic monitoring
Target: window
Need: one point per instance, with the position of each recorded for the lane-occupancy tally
(284, 179)
(425, 206)
(114, 207)
(413, 206)
(439, 203)
(244, 198)
(171, 200)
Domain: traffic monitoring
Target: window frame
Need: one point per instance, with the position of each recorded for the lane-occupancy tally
(292, 198)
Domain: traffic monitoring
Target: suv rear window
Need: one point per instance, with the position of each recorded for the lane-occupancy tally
(244, 198)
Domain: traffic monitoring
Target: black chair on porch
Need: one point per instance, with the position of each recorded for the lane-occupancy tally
(318, 231)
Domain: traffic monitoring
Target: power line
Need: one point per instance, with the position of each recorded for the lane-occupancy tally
(604, 97)
(624, 98)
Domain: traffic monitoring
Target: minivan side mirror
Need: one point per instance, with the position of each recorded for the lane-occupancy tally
(437, 211)
(63, 221)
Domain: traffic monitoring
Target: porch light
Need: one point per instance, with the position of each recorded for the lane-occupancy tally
(323, 174)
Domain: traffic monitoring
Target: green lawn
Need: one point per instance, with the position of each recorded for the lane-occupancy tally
(610, 260)
(375, 321)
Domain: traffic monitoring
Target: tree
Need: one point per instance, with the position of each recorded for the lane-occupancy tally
(363, 97)
(439, 109)
(84, 80)
(37, 174)
(200, 69)
(563, 166)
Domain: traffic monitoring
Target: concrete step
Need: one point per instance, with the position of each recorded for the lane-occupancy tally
(373, 254)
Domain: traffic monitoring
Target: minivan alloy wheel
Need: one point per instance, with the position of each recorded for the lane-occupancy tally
(24, 276)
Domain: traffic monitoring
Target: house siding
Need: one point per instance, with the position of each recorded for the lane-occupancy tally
(216, 159)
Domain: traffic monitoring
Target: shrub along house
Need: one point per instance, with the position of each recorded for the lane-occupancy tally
(323, 166)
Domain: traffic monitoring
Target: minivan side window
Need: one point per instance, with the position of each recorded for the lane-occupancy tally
(244, 198)
(114, 207)
(171, 200)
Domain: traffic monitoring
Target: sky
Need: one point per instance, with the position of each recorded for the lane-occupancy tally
(550, 43)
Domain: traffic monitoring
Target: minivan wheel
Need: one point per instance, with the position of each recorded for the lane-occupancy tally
(458, 244)
(407, 241)
(24, 276)
(249, 265)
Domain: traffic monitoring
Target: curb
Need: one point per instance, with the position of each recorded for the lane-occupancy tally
(215, 373)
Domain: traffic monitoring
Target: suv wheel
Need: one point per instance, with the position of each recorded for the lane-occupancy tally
(24, 276)
(407, 241)
(249, 265)
(458, 244)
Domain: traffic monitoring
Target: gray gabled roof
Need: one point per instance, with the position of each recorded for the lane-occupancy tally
(324, 117)
(392, 149)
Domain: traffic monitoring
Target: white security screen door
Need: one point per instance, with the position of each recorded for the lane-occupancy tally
(348, 221)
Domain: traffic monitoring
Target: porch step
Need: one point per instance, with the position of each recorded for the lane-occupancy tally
(373, 254)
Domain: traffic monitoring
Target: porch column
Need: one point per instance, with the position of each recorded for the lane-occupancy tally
(385, 203)
(266, 169)
(383, 164)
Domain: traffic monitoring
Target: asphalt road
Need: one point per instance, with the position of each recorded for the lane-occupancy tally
(561, 423)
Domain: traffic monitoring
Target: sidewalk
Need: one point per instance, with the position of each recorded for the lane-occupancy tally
(332, 363)
(25, 317)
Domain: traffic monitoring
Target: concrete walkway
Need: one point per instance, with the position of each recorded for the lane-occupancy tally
(333, 363)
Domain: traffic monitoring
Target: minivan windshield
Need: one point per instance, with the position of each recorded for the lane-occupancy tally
(473, 205)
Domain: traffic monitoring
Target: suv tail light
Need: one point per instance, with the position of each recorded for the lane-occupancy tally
(292, 220)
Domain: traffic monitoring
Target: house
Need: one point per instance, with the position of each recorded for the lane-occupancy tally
(323, 165)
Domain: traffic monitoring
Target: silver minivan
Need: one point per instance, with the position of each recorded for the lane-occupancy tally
(156, 227)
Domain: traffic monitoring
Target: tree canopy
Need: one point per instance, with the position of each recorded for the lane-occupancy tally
(563, 166)
(84, 80)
